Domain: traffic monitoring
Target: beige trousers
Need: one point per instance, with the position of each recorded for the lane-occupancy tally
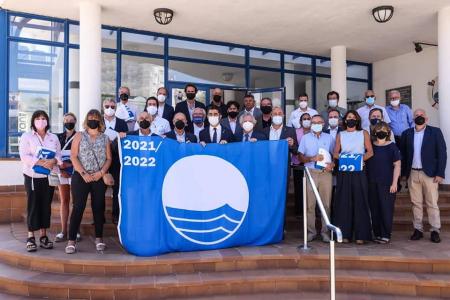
(324, 184)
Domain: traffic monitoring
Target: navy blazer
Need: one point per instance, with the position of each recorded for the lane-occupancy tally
(226, 123)
(183, 107)
(286, 132)
(168, 114)
(189, 137)
(226, 135)
(258, 135)
(433, 152)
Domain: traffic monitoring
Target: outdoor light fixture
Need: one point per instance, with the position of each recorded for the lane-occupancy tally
(163, 15)
(418, 46)
(382, 14)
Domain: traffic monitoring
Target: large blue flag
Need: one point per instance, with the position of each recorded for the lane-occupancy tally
(185, 197)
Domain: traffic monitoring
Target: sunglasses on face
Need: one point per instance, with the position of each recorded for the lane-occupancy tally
(110, 106)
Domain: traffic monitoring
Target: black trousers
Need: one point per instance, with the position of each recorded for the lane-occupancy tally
(115, 199)
(298, 191)
(381, 203)
(80, 191)
(39, 202)
(351, 206)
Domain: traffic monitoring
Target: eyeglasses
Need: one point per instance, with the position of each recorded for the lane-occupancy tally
(110, 106)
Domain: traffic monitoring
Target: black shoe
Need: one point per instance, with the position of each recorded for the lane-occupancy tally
(417, 235)
(435, 238)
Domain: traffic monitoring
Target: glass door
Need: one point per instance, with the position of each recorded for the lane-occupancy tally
(276, 94)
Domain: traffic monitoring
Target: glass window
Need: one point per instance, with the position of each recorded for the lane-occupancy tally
(323, 86)
(213, 52)
(142, 43)
(357, 71)
(109, 37)
(295, 86)
(35, 83)
(206, 73)
(264, 79)
(355, 94)
(143, 76)
(36, 29)
(323, 66)
(298, 63)
(265, 59)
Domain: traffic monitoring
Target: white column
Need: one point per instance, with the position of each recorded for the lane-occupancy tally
(339, 73)
(90, 57)
(444, 78)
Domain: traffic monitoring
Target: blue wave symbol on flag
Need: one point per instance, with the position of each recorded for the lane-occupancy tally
(206, 226)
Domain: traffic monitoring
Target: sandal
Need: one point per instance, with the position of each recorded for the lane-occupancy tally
(71, 249)
(100, 246)
(45, 243)
(31, 244)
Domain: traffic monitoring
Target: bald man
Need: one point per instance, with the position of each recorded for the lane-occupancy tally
(217, 100)
(424, 157)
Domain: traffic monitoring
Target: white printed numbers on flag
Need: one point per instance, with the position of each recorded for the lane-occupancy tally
(350, 162)
(136, 161)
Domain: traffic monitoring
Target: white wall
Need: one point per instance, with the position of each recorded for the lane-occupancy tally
(11, 172)
(414, 69)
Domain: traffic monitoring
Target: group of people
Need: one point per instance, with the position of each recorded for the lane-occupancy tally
(387, 143)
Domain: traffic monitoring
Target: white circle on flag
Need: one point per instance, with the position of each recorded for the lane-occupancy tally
(205, 198)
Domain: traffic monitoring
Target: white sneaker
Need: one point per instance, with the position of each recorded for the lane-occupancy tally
(60, 237)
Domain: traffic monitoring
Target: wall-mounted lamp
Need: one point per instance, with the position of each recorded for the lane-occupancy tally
(418, 46)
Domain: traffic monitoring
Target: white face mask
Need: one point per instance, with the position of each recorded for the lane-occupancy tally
(213, 120)
(247, 126)
(332, 102)
(395, 102)
(110, 112)
(152, 110)
(333, 122)
(316, 128)
(303, 104)
(277, 120)
(161, 98)
(306, 123)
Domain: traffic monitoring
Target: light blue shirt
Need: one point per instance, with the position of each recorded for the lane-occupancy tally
(417, 156)
(364, 112)
(310, 145)
(401, 118)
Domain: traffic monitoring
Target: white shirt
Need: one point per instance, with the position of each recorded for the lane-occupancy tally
(161, 110)
(364, 111)
(232, 125)
(181, 138)
(131, 108)
(249, 111)
(219, 132)
(417, 156)
(140, 133)
(294, 119)
(333, 132)
(159, 126)
(197, 130)
(110, 124)
(275, 133)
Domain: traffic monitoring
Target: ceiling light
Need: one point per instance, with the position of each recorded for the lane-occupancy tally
(163, 15)
(382, 14)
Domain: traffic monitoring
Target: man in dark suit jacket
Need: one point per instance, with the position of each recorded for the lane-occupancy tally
(250, 106)
(187, 106)
(286, 133)
(232, 121)
(217, 101)
(249, 133)
(179, 133)
(214, 132)
(424, 158)
(165, 110)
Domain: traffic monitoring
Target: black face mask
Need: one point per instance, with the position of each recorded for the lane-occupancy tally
(266, 109)
(419, 120)
(93, 124)
(374, 121)
(233, 114)
(144, 124)
(351, 123)
(124, 97)
(179, 125)
(190, 96)
(69, 125)
(381, 135)
(217, 98)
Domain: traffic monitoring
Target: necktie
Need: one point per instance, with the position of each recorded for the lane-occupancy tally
(214, 139)
(246, 137)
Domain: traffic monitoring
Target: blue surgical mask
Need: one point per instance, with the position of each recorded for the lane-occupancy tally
(370, 100)
(197, 120)
(316, 128)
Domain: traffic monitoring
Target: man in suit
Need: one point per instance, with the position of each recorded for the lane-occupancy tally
(277, 131)
(198, 121)
(179, 133)
(266, 109)
(165, 110)
(424, 157)
(129, 109)
(187, 107)
(214, 132)
(231, 121)
(249, 106)
(333, 118)
(249, 133)
(217, 100)
(144, 121)
(333, 100)
(114, 126)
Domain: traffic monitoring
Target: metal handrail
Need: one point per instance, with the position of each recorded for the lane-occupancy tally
(331, 227)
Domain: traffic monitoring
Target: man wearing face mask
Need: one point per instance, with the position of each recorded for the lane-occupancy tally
(198, 122)
(144, 122)
(333, 100)
(277, 131)
(364, 111)
(250, 107)
(266, 108)
(187, 107)
(179, 133)
(303, 108)
(311, 146)
(214, 132)
(218, 102)
(125, 110)
(376, 116)
(400, 115)
(159, 125)
(231, 121)
(424, 157)
(165, 110)
(249, 133)
(333, 123)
